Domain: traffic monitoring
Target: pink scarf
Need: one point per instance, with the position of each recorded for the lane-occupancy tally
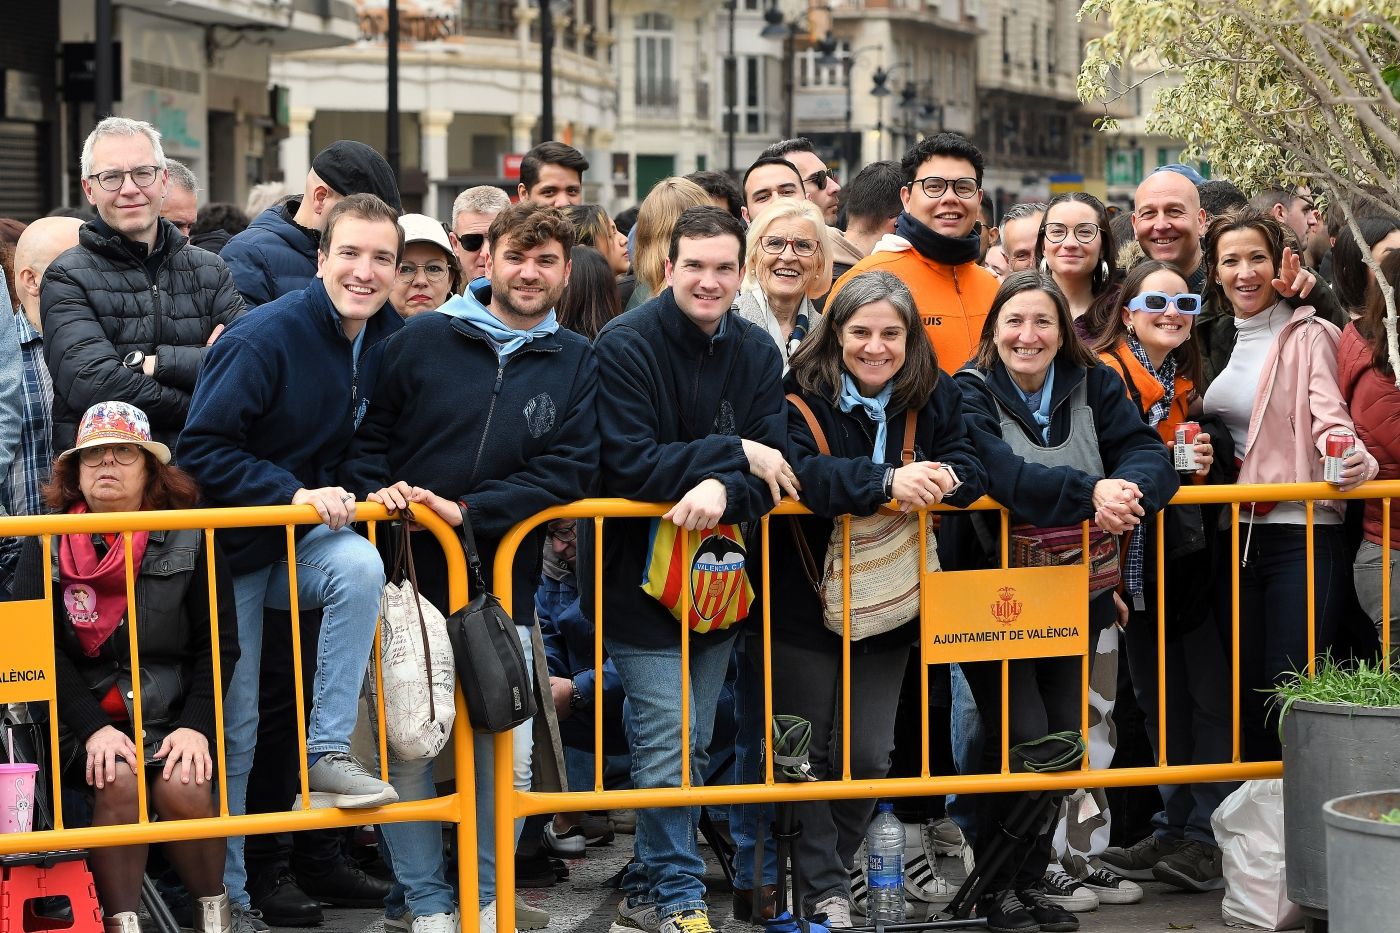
(94, 593)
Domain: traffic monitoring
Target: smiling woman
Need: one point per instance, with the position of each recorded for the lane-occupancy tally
(788, 264)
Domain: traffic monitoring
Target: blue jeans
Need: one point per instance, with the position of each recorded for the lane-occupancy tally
(413, 851)
(967, 750)
(342, 574)
(668, 868)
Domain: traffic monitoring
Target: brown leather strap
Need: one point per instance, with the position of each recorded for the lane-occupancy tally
(906, 456)
(811, 420)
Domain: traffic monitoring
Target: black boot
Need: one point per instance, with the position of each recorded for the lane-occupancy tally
(282, 902)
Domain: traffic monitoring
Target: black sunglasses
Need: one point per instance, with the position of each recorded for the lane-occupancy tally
(819, 178)
(471, 242)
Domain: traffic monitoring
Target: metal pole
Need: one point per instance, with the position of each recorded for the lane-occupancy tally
(392, 148)
(847, 145)
(789, 63)
(546, 71)
(880, 126)
(731, 90)
(102, 60)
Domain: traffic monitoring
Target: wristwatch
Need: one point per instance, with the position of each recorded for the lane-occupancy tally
(575, 698)
(134, 360)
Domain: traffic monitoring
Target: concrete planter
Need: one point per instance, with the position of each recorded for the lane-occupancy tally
(1363, 861)
(1330, 750)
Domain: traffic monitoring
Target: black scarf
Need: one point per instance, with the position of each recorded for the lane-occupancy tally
(935, 246)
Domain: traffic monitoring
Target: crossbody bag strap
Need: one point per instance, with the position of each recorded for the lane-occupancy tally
(906, 456)
(809, 562)
(1132, 386)
(464, 534)
(406, 544)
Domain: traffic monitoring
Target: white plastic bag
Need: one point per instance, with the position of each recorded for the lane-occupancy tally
(1248, 827)
(416, 657)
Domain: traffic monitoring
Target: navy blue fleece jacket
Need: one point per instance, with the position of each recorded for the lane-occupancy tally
(275, 408)
(673, 405)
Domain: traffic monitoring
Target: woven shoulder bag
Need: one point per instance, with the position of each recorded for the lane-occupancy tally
(884, 556)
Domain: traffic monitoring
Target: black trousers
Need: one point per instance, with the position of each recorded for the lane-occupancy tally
(1046, 696)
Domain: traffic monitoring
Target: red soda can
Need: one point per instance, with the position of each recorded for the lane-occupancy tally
(1340, 445)
(1184, 452)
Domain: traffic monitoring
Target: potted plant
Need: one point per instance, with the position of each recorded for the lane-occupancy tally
(1363, 861)
(1341, 735)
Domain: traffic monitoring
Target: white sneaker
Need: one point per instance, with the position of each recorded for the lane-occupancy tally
(446, 923)
(124, 922)
(860, 885)
(837, 910)
(632, 918)
(1112, 888)
(488, 918)
(922, 882)
(338, 780)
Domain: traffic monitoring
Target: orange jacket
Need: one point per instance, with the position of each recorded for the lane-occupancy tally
(953, 301)
(1149, 390)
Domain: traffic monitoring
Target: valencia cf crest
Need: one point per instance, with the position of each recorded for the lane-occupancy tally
(716, 576)
(1007, 608)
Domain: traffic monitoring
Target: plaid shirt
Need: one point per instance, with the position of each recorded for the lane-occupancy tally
(34, 456)
(1134, 571)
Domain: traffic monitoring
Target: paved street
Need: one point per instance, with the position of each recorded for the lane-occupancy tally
(585, 904)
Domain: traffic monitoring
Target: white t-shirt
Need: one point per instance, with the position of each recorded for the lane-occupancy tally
(1231, 398)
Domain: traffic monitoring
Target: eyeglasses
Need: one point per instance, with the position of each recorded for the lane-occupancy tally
(965, 188)
(819, 179)
(1084, 233)
(471, 242)
(125, 454)
(1156, 302)
(143, 175)
(776, 244)
(564, 533)
(435, 271)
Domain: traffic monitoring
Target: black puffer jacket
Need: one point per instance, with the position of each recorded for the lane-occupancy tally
(101, 300)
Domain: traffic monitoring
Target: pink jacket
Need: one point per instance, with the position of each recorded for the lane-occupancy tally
(1298, 402)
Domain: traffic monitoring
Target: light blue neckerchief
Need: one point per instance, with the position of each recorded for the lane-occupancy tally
(506, 339)
(874, 408)
(1041, 412)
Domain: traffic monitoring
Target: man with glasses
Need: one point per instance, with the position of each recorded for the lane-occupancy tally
(276, 255)
(936, 246)
(128, 313)
(472, 214)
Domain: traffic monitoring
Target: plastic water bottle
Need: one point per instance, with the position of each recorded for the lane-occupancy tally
(884, 845)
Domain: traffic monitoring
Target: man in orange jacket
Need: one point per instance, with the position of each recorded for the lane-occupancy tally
(935, 246)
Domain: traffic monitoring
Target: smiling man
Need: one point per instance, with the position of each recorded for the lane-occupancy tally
(528, 441)
(936, 245)
(127, 313)
(277, 403)
(691, 403)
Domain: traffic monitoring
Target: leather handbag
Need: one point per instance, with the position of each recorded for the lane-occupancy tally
(883, 560)
(486, 650)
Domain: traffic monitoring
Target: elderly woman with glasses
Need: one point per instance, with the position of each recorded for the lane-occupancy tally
(114, 466)
(429, 273)
(1076, 247)
(788, 264)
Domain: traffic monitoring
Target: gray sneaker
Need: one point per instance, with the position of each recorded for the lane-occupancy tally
(1137, 860)
(246, 920)
(338, 780)
(1195, 866)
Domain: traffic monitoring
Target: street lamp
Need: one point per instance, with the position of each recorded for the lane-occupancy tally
(827, 57)
(776, 27)
(880, 79)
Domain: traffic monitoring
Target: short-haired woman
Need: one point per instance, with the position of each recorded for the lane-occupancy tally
(788, 263)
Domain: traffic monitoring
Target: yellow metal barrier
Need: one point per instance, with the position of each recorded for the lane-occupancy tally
(458, 807)
(512, 804)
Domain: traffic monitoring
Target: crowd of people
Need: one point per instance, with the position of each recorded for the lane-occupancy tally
(867, 350)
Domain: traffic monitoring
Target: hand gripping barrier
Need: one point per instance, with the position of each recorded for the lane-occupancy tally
(26, 628)
(511, 804)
